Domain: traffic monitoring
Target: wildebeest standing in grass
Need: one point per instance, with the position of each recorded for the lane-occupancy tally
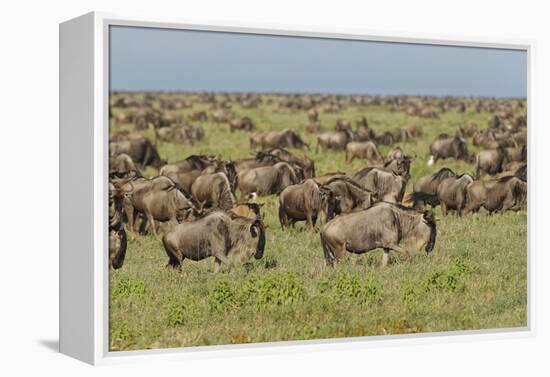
(362, 149)
(452, 193)
(117, 235)
(306, 163)
(349, 194)
(214, 190)
(384, 225)
(450, 147)
(387, 185)
(140, 149)
(507, 193)
(305, 202)
(277, 139)
(266, 180)
(490, 161)
(215, 235)
(425, 188)
(122, 166)
(335, 140)
(184, 172)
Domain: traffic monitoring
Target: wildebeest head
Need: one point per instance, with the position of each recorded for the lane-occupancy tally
(257, 231)
(429, 219)
(331, 200)
(295, 140)
(461, 149)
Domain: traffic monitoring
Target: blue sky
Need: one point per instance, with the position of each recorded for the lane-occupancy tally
(183, 60)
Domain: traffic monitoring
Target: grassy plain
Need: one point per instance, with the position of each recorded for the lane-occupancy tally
(476, 277)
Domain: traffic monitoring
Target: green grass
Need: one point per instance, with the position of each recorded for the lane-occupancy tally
(476, 277)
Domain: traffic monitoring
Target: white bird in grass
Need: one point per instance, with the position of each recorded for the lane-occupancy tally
(431, 161)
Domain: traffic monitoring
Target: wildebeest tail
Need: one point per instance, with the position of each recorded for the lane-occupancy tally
(329, 255)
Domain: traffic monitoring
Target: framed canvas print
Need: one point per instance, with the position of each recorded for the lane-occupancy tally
(246, 187)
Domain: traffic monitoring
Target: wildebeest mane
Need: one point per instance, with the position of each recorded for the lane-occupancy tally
(442, 173)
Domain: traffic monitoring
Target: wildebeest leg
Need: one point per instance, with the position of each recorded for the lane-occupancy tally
(385, 257)
(309, 221)
(443, 208)
(283, 219)
(223, 259)
(151, 222)
(401, 250)
(143, 225)
(217, 265)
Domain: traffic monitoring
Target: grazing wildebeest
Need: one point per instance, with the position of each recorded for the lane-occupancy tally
(304, 202)
(425, 189)
(277, 139)
(117, 235)
(266, 180)
(362, 149)
(490, 161)
(214, 190)
(450, 147)
(140, 149)
(122, 166)
(384, 225)
(215, 235)
(349, 194)
(507, 193)
(335, 140)
(156, 199)
(184, 172)
(243, 124)
(452, 193)
(387, 185)
(428, 184)
(400, 166)
(306, 163)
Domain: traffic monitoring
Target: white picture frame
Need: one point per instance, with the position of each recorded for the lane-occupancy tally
(84, 92)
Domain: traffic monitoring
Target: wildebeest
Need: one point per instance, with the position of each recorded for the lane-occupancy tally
(140, 149)
(362, 149)
(490, 161)
(452, 193)
(335, 140)
(122, 166)
(117, 235)
(215, 235)
(387, 185)
(306, 163)
(349, 194)
(384, 225)
(507, 193)
(304, 202)
(184, 172)
(243, 124)
(277, 139)
(394, 154)
(214, 190)
(156, 199)
(425, 189)
(450, 147)
(428, 184)
(266, 180)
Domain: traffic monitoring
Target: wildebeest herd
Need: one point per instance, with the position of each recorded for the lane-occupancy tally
(210, 205)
